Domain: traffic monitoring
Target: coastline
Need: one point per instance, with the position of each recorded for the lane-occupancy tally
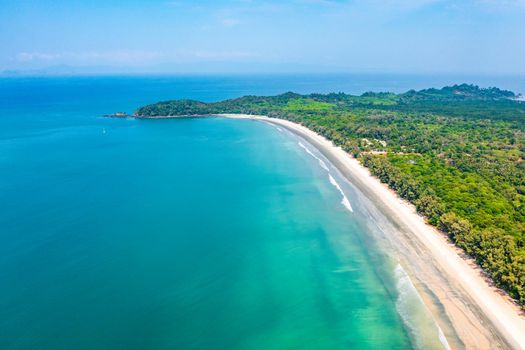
(456, 291)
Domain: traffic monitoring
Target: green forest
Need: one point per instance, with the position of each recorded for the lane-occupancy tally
(456, 153)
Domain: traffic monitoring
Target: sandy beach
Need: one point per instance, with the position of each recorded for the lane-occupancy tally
(471, 313)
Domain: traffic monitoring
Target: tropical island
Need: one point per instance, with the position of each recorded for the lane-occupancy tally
(457, 154)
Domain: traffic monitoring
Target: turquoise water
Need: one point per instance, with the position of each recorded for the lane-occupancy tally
(201, 233)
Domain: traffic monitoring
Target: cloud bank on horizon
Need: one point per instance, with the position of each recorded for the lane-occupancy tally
(485, 36)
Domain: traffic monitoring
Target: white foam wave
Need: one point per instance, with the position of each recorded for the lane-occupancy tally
(274, 126)
(443, 339)
(345, 200)
(321, 162)
(415, 316)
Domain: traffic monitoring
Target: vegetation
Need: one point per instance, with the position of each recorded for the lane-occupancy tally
(457, 153)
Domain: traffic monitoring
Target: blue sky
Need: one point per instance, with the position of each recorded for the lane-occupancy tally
(420, 36)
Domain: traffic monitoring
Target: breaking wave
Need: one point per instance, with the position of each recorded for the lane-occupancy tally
(275, 126)
(345, 200)
(415, 316)
(321, 162)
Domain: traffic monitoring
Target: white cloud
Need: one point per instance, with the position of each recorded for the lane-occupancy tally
(130, 58)
(36, 56)
(97, 57)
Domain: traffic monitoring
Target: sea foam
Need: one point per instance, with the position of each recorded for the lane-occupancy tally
(414, 314)
(321, 162)
(275, 126)
(345, 200)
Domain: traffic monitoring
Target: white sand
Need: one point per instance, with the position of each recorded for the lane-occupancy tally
(467, 306)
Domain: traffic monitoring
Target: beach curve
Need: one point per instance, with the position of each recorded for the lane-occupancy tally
(457, 292)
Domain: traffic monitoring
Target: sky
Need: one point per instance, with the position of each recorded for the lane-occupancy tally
(182, 36)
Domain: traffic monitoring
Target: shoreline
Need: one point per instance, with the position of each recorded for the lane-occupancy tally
(471, 312)
(457, 292)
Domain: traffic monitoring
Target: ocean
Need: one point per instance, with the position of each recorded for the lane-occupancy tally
(197, 233)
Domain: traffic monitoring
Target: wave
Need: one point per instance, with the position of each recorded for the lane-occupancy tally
(345, 200)
(321, 162)
(275, 126)
(414, 314)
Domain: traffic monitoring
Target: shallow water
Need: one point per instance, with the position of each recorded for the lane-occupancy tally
(175, 234)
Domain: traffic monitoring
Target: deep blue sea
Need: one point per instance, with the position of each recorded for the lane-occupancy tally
(199, 233)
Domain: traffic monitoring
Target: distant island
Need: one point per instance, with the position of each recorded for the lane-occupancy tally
(456, 153)
(118, 115)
